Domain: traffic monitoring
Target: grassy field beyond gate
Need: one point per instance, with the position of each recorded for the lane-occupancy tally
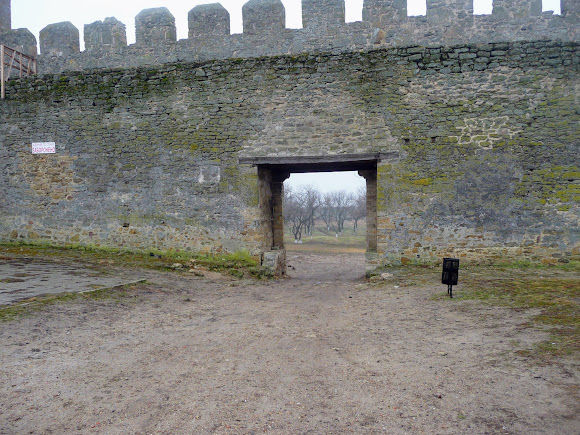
(327, 241)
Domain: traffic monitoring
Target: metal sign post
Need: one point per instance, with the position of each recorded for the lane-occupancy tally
(450, 274)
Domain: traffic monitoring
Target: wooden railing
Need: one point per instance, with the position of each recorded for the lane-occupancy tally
(14, 61)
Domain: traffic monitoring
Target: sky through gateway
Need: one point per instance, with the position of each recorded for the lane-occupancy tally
(326, 182)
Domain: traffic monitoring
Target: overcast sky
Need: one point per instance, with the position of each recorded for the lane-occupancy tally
(328, 181)
(37, 14)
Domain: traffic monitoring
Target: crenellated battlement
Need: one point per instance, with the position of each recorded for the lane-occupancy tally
(263, 17)
(155, 26)
(212, 20)
(320, 14)
(384, 23)
(108, 35)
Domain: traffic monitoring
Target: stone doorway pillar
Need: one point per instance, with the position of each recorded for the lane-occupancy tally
(371, 178)
(278, 209)
(271, 187)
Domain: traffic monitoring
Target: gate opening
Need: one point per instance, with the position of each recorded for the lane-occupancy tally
(325, 212)
(273, 171)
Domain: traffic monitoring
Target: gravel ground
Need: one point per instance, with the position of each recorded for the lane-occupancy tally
(320, 352)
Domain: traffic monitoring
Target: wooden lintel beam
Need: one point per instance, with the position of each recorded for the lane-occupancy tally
(347, 162)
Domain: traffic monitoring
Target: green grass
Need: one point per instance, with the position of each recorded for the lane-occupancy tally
(570, 265)
(235, 264)
(323, 240)
(38, 303)
(554, 293)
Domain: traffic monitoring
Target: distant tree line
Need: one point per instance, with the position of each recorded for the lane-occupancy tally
(305, 205)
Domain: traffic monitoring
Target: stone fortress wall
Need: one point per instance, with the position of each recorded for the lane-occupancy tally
(385, 23)
(476, 143)
(5, 16)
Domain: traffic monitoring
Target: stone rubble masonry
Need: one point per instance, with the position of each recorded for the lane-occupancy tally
(155, 27)
(5, 16)
(108, 35)
(263, 17)
(319, 14)
(60, 39)
(21, 40)
(482, 142)
(385, 24)
(209, 20)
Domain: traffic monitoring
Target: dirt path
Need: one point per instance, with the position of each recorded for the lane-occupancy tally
(321, 352)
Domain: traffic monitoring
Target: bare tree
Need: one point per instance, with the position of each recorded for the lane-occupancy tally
(299, 210)
(292, 213)
(303, 206)
(311, 203)
(359, 208)
(326, 210)
(342, 203)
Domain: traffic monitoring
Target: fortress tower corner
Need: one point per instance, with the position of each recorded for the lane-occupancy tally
(5, 16)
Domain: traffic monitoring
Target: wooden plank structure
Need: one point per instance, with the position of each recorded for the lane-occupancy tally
(11, 61)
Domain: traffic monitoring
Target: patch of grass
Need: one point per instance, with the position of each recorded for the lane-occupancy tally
(150, 258)
(322, 236)
(321, 248)
(239, 259)
(571, 265)
(260, 272)
(555, 295)
(38, 303)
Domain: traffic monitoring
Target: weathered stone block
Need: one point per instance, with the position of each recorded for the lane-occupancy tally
(60, 39)
(456, 12)
(5, 16)
(536, 8)
(322, 13)
(155, 26)
(208, 20)
(384, 13)
(263, 16)
(514, 9)
(107, 35)
(275, 262)
(21, 40)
